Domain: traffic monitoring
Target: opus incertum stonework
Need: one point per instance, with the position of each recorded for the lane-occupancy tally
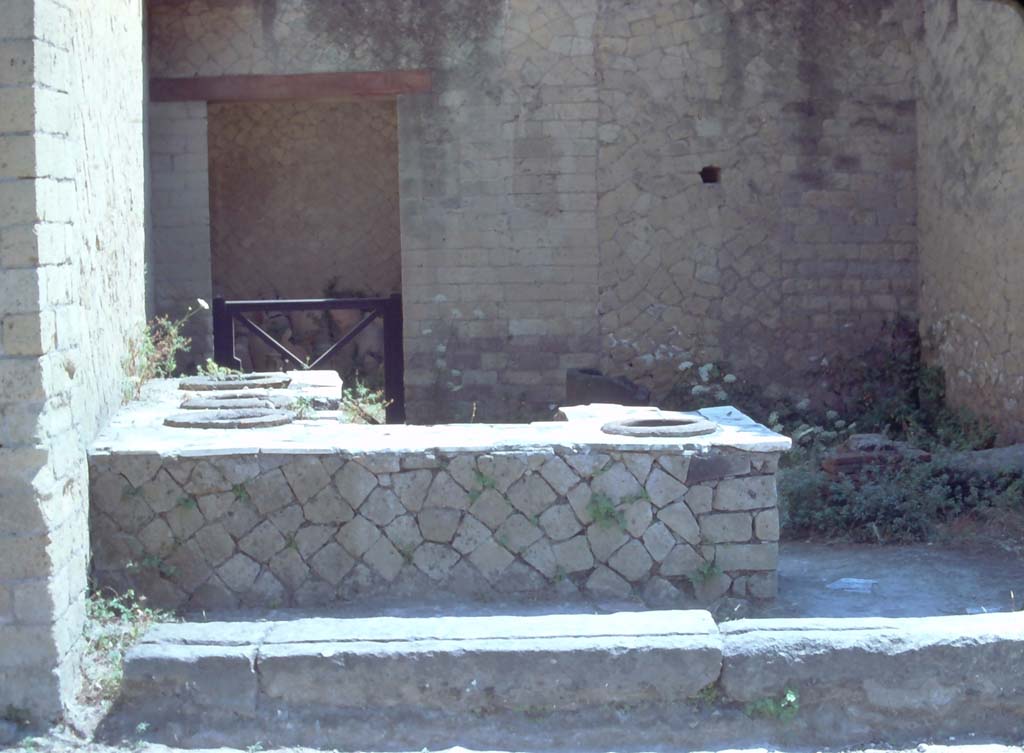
(319, 512)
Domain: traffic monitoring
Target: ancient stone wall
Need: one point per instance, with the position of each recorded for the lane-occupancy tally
(303, 196)
(270, 530)
(971, 190)
(806, 244)
(498, 192)
(180, 216)
(71, 295)
(551, 123)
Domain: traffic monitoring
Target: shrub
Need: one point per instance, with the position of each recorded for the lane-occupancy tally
(890, 504)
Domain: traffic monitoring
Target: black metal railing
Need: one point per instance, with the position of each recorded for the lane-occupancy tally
(389, 310)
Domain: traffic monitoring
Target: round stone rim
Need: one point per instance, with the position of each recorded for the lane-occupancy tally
(242, 418)
(662, 424)
(244, 381)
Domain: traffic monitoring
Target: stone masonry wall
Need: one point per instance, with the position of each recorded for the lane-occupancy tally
(71, 293)
(971, 190)
(180, 216)
(498, 193)
(551, 208)
(806, 246)
(309, 530)
(304, 195)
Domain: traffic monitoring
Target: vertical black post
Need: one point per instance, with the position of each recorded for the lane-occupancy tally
(224, 335)
(394, 360)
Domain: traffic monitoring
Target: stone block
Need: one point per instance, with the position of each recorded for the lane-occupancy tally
(699, 499)
(731, 557)
(404, 534)
(531, 495)
(270, 492)
(639, 464)
(749, 493)
(382, 506)
(502, 469)
(912, 677)
(616, 483)
(517, 533)
(605, 583)
(677, 465)
(559, 475)
(559, 522)
(586, 464)
(444, 492)
(766, 525)
(306, 477)
(632, 561)
(332, 563)
(681, 521)
(328, 507)
(719, 528)
(542, 558)
(491, 508)
(605, 539)
(439, 524)
(354, 483)
(491, 559)
(385, 560)
(574, 555)
(664, 489)
(716, 466)
(435, 560)
(659, 541)
(358, 535)
(682, 560)
(172, 678)
(471, 534)
(263, 542)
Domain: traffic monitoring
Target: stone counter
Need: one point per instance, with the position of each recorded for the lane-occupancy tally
(316, 512)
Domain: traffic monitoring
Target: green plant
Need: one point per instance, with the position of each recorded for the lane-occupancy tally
(113, 623)
(153, 351)
(707, 696)
(485, 481)
(782, 709)
(604, 512)
(188, 502)
(704, 573)
(241, 493)
(16, 715)
(890, 504)
(363, 404)
(213, 370)
(303, 407)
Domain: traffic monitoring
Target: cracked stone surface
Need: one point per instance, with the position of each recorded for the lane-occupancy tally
(309, 530)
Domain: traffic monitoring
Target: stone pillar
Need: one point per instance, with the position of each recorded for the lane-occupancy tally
(71, 250)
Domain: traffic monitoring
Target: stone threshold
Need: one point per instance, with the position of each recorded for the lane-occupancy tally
(628, 681)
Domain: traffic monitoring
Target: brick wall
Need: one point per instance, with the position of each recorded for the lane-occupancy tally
(71, 293)
(303, 194)
(806, 246)
(180, 215)
(551, 208)
(971, 190)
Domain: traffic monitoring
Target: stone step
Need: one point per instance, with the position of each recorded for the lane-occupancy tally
(220, 675)
(626, 681)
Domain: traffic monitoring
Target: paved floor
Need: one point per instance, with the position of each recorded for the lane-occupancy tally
(842, 580)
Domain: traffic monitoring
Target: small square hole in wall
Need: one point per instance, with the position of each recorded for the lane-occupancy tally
(711, 174)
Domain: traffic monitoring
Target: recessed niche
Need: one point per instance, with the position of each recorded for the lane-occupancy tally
(711, 174)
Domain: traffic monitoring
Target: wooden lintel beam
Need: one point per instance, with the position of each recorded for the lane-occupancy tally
(301, 86)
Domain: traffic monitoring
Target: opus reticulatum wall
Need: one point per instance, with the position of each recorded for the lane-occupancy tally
(319, 515)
